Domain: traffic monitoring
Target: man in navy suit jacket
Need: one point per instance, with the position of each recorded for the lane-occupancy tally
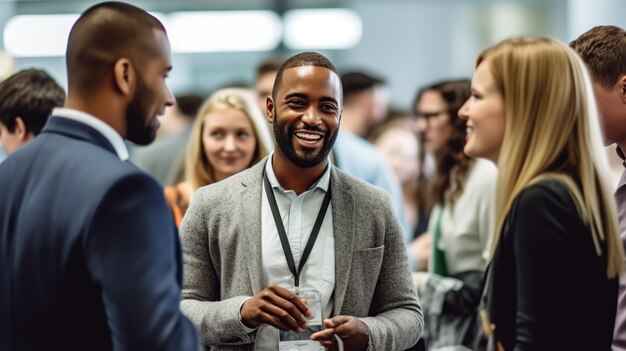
(89, 255)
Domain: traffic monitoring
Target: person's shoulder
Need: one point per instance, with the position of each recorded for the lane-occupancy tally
(352, 142)
(545, 190)
(483, 172)
(351, 150)
(545, 198)
(481, 179)
(484, 167)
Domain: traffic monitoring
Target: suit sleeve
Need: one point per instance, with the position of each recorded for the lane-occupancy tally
(539, 236)
(133, 253)
(400, 321)
(217, 320)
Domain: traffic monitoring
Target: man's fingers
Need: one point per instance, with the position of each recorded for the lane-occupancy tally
(326, 334)
(293, 299)
(284, 317)
(336, 321)
(286, 307)
(267, 318)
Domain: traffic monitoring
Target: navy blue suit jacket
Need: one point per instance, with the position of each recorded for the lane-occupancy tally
(89, 255)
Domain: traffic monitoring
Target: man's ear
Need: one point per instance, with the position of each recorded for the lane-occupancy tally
(20, 129)
(124, 76)
(622, 87)
(269, 109)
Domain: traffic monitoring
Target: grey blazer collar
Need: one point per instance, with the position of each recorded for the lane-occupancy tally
(343, 227)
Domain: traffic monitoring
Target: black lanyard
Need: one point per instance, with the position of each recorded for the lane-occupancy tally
(283, 235)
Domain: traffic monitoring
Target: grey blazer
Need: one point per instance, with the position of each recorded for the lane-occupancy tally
(221, 237)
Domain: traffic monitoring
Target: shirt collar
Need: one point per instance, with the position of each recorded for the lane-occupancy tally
(106, 130)
(323, 183)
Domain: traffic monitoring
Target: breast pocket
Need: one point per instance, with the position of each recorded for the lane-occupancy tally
(364, 273)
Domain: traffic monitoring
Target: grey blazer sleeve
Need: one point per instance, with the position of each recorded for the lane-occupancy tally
(218, 321)
(396, 320)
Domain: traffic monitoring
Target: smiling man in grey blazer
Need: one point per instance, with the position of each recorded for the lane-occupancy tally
(294, 222)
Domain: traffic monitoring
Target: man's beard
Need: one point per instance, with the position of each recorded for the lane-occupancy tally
(284, 140)
(140, 127)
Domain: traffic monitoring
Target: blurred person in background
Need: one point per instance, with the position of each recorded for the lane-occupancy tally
(461, 222)
(395, 117)
(556, 254)
(401, 147)
(229, 135)
(161, 157)
(265, 76)
(7, 67)
(603, 48)
(366, 101)
(351, 149)
(26, 101)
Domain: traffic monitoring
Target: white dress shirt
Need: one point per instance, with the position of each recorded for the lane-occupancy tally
(106, 130)
(299, 214)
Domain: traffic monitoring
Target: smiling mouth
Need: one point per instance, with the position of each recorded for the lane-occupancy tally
(230, 159)
(308, 137)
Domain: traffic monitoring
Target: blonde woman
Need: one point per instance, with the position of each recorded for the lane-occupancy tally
(552, 281)
(461, 221)
(229, 135)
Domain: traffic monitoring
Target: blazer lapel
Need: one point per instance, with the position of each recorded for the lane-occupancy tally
(250, 212)
(343, 228)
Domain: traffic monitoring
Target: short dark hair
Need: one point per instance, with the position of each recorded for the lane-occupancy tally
(103, 34)
(354, 82)
(269, 65)
(307, 58)
(188, 104)
(603, 48)
(30, 94)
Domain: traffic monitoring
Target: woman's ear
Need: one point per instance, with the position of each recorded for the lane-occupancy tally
(622, 85)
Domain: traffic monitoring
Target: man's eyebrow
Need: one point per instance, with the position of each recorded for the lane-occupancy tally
(305, 97)
(296, 95)
(329, 99)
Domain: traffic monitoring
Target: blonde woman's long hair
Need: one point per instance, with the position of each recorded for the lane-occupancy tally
(198, 170)
(552, 131)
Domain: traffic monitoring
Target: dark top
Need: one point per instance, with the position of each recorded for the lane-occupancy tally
(89, 256)
(549, 289)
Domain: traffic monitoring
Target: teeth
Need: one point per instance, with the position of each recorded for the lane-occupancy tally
(308, 136)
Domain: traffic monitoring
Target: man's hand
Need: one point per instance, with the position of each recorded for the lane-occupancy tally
(351, 330)
(277, 307)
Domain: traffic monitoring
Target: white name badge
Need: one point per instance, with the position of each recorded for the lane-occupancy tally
(292, 341)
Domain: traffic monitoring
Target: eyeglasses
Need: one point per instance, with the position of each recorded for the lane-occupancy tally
(429, 115)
